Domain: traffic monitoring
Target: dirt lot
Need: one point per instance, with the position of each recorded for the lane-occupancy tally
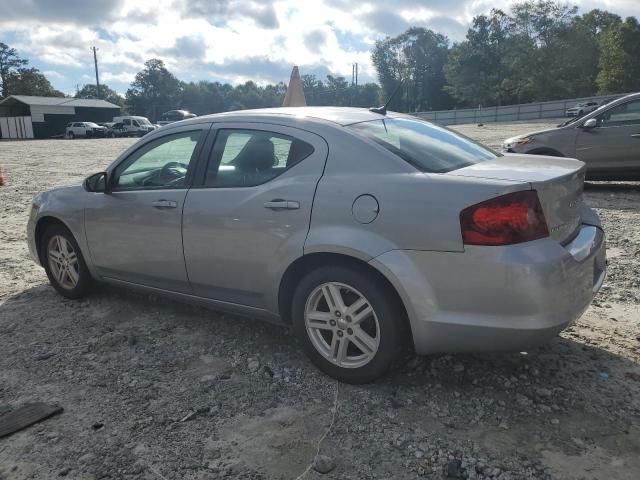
(154, 389)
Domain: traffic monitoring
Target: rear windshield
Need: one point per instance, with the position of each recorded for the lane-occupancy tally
(426, 146)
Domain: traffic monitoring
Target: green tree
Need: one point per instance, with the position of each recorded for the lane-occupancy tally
(10, 62)
(90, 91)
(620, 58)
(486, 68)
(29, 81)
(415, 59)
(154, 90)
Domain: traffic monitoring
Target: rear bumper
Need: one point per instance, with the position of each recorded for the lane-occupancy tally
(496, 298)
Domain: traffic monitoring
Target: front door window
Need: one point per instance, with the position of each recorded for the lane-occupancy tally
(162, 163)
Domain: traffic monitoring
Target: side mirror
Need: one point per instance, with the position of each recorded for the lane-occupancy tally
(589, 124)
(96, 183)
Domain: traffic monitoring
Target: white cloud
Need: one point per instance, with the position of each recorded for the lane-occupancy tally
(234, 40)
(53, 74)
(124, 77)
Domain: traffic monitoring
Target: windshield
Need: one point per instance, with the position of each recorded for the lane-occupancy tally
(428, 147)
(91, 124)
(143, 121)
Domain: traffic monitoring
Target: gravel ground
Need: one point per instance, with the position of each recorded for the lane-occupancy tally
(154, 389)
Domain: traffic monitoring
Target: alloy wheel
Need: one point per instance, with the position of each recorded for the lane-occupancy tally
(63, 262)
(342, 325)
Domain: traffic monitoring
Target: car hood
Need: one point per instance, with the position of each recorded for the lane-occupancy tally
(532, 134)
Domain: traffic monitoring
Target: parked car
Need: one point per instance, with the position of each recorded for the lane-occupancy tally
(607, 140)
(580, 109)
(135, 126)
(117, 130)
(175, 116)
(84, 129)
(369, 233)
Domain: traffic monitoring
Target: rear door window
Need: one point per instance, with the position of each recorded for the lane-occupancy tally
(428, 147)
(244, 158)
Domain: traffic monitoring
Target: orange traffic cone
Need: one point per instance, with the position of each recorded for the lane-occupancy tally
(1, 177)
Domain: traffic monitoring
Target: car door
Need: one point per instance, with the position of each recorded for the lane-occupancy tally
(248, 217)
(614, 144)
(127, 127)
(134, 230)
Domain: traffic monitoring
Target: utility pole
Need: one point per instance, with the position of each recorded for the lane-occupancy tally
(95, 61)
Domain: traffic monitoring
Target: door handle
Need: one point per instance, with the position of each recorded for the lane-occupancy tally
(279, 204)
(164, 204)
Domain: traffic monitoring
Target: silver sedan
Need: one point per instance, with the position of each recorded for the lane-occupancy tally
(371, 234)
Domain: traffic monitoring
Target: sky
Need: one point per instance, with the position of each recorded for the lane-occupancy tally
(228, 40)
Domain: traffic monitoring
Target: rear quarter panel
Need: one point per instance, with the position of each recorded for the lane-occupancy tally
(417, 211)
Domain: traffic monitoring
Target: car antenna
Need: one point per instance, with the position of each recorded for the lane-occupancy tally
(383, 109)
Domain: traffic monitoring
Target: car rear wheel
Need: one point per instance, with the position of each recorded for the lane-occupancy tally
(64, 263)
(349, 324)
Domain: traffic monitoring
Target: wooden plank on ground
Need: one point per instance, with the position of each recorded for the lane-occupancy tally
(26, 415)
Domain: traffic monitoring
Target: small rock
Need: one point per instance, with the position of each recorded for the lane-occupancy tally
(413, 363)
(97, 426)
(253, 365)
(555, 421)
(543, 392)
(43, 356)
(266, 370)
(86, 458)
(323, 464)
(453, 469)
(64, 472)
(458, 368)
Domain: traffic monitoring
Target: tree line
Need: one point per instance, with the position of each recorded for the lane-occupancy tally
(539, 50)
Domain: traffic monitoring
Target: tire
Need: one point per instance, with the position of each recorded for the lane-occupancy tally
(70, 135)
(77, 282)
(580, 113)
(356, 359)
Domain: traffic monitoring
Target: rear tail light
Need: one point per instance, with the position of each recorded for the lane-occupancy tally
(505, 220)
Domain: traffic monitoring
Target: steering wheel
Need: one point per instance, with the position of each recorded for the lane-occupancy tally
(168, 175)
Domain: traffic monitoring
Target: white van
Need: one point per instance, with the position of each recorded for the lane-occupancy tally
(134, 125)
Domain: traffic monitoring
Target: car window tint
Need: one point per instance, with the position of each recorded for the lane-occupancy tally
(161, 163)
(426, 146)
(126, 121)
(244, 158)
(625, 114)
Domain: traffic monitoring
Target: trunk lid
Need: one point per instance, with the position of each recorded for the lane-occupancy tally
(558, 181)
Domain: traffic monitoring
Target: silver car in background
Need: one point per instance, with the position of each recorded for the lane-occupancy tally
(369, 234)
(580, 109)
(607, 140)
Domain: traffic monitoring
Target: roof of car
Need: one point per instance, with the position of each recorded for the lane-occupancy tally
(339, 115)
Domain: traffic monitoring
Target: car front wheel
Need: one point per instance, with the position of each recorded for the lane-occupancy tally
(70, 135)
(64, 263)
(349, 324)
